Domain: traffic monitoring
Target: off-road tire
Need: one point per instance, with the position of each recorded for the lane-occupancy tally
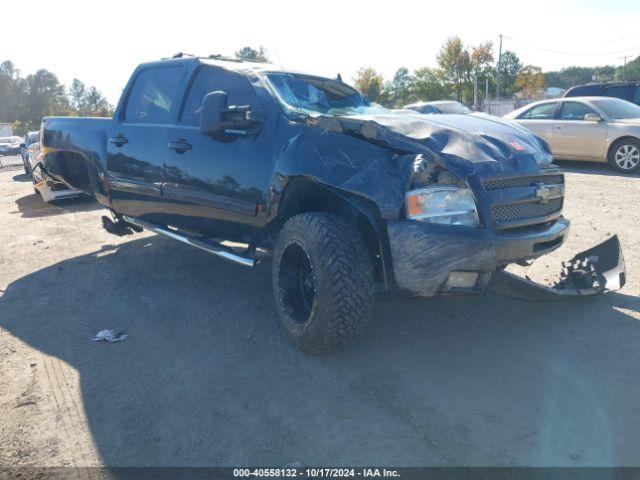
(631, 143)
(342, 275)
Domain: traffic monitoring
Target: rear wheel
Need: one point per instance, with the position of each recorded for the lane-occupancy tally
(624, 156)
(25, 164)
(322, 282)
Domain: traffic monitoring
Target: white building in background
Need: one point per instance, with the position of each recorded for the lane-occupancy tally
(6, 130)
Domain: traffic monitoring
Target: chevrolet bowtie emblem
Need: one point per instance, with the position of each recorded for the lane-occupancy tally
(542, 193)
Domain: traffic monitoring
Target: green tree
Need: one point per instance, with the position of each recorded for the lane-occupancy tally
(45, 96)
(430, 84)
(629, 72)
(400, 88)
(24, 101)
(11, 86)
(509, 68)
(252, 55)
(455, 61)
(77, 93)
(460, 65)
(96, 103)
(570, 76)
(370, 83)
(482, 61)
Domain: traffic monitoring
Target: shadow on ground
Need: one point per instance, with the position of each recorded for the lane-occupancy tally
(32, 206)
(21, 177)
(206, 379)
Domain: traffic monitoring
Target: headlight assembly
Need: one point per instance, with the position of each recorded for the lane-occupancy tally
(445, 205)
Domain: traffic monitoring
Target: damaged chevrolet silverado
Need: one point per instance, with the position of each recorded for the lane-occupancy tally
(350, 198)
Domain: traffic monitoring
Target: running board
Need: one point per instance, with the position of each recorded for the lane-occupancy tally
(214, 248)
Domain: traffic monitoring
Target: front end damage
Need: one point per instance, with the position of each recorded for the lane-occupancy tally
(592, 272)
(519, 196)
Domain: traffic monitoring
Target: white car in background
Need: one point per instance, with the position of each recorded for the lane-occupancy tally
(439, 107)
(10, 145)
(594, 129)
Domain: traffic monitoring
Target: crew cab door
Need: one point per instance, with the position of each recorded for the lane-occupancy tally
(575, 138)
(137, 144)
(217, 188)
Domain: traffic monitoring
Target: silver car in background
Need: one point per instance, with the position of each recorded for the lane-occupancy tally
(595, 129)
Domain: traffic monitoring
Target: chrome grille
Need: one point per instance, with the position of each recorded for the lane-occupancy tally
(524, 211)
(513, 182)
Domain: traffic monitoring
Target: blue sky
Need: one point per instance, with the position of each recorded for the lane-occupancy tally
(101, 42)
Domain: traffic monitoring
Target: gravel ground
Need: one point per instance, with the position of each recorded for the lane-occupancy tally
(10, 161)
(205, 377)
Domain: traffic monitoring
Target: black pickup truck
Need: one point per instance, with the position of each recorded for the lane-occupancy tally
(349, 197)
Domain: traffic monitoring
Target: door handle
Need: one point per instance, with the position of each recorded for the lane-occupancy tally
(119, 140)
(180, 146)
(558, 127)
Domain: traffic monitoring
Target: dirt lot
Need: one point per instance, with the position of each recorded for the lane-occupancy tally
(205, 377)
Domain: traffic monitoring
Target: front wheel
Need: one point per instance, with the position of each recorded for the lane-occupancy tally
(322, 282)
(624, 156)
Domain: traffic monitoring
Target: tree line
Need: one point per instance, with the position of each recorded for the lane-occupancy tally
(459, 66)
(24, 100)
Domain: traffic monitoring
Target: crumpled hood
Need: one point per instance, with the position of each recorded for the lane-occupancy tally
(473, 142)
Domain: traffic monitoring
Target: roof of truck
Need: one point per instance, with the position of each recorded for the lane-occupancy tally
(222, 61)
(234, 64)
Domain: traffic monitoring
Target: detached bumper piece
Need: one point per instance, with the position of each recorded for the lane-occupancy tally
(592, 272)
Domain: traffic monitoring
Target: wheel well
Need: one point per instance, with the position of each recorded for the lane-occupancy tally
(618, 140)
(73, 169)
(302, 195)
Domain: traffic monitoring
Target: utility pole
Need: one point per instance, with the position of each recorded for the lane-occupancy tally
(624, 66)
(475, 94)
(486, 92)
(498, 73)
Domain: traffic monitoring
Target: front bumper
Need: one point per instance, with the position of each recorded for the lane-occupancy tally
(424, 255)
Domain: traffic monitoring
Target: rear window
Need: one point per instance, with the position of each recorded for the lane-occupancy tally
(152, 95)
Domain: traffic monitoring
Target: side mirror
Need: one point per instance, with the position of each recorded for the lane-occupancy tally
(23, 145)
(220, 121)
(592, 117)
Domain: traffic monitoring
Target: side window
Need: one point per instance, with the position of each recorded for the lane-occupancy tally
(211, 79)
(152, 95)
(574, 111)
(545, 111)
(636, 96)
(624, 92)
